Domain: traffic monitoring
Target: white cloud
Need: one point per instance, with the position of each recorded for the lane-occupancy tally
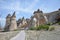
(16, 6)
(2, 19)
(2, 22)
(33, 4)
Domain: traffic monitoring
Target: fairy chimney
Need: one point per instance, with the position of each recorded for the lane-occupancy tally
(7, 25)
(13, 24)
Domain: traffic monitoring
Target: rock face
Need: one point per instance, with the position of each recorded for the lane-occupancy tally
(8, 21)
(52, 17)
(39, 18)
(11, 23)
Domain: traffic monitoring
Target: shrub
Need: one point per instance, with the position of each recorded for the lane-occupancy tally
(59, 23)
(51, 28)
(15, 30)
(43, 27)
(32, 28)
(40, 27)
(46, 27)
(49, 24)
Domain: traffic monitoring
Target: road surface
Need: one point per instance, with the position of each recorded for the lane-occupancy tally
(19, 36)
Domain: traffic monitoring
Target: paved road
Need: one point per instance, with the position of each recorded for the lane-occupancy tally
(19, 36)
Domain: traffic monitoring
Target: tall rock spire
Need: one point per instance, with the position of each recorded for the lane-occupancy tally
(8, 16)
(8, 20)
(14, 14)
(13, 25)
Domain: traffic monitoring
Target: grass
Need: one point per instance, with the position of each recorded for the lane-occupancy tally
(40, 27)
(51, 28)
(59, 23)
(49, 23)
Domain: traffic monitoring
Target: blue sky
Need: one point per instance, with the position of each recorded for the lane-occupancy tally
(26, 7)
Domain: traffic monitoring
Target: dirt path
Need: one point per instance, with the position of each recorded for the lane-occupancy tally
(19, 36)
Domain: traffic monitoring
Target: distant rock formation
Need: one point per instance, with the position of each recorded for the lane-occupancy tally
(37, 19)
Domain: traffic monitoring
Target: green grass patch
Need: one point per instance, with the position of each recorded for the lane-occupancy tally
(59, 23)
(51, 28)
(40, 27)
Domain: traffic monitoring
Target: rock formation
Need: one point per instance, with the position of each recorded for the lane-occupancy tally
(8, 21)
(13, 24)
(37, 19)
